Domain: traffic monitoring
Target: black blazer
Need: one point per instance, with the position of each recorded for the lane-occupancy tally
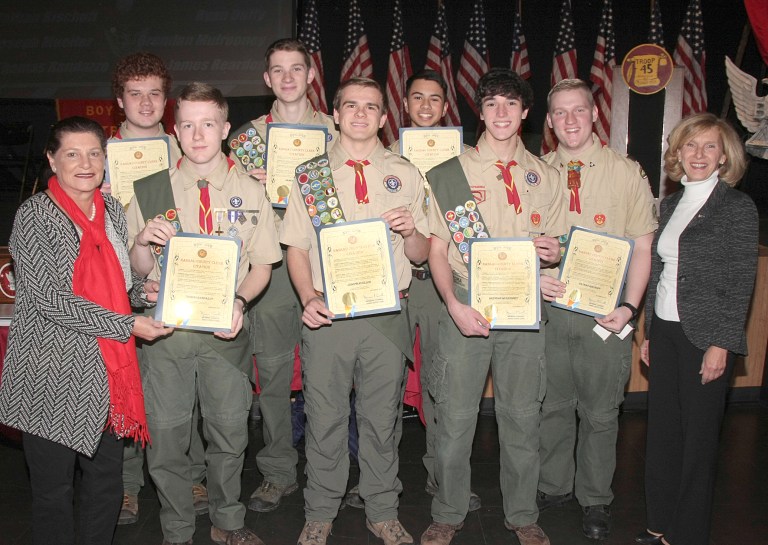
(717, 262)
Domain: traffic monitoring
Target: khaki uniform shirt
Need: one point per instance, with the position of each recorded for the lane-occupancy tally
(297, 229)
(536, 183)
(229, 189)
(124, 132)
(615, 196)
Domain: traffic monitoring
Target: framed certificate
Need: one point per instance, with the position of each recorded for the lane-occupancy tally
(287, 147)
(358, 268)
(593, 268)
(132, 159)
(504, 282)
(427, 147)
(197, 287)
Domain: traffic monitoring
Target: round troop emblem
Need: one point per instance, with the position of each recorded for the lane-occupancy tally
(393, 184)
(236, 202)
(532, 178)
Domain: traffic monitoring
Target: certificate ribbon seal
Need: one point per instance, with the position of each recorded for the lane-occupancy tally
(315, 180)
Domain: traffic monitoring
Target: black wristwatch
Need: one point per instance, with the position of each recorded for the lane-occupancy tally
(631, 307)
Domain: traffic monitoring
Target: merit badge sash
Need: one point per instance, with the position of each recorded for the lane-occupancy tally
(318, 192)
(249, 147)
(155, 197)
(460, 211)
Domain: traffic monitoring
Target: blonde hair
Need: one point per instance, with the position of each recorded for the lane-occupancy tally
(735, 163)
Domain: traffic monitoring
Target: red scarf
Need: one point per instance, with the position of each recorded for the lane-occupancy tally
(98, 277)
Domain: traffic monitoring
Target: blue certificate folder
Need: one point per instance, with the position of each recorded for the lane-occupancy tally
(344, 247)
(284, 202)
(224, 286)
(586, 243)
(491, 314)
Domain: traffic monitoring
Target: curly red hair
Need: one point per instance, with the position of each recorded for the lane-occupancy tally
(138, 66)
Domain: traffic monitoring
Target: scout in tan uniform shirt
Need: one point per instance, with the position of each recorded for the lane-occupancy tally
(425, 104)
(367, 351)
(141, 83)
(215, 367)
(586, 375)
(275, 316)
(527, 203)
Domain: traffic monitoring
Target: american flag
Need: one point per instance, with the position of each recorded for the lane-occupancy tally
(690, 54)
(439, 60)
(563, 65)
(656, 32)
(357, 58)
(310, 37)
(519, 59)
(602, 72)
(474, 59)
(398, 72)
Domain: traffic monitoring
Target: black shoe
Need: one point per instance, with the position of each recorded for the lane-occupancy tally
(647, 538)
(596, 521)
(545, 501)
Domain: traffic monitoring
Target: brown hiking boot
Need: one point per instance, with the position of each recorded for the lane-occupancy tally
(200, 499)
(241, 536)
(440, 533)
(267, 496)
(129, 512)
(390, 531)
(315, 532)
(531, 534)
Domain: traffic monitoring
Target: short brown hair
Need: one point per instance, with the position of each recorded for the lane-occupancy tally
(139, 66)
(570, 84)
(362, 82)
(287, 44)
(735, 158)
(203, 92)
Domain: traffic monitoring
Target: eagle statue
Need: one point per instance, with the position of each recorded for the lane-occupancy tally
(752, 110)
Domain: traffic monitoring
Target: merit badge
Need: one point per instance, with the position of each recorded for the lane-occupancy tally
(314, 175)
(535, 218)
(469, 232)
(305, 189)
(458, 237)
(465, 257)
(170, 214)
(562, 239)
(176, 225)
(450, 215)
(310, 199)
(463, 222)
(470, 206)
(237, 202)
(311, 165)
(322, 162)
(325, 172)
(333, 202)
(251, 132)
(242, 137)
(314, 185)
(160, 260)
(482, 234)
(303, 178)
(234, 143)
(316, 221)
(300, 169)
(261, 148)
(532, 178)
(240, 151)
(326, 182)
(453, 226)
(464, 247)
(330, 191)
(258, 161)
(248, 146)
(473, 216)
(460, 210)
(393, 184)
(599, 219)
(325, 217)
(232, 231)
(336, 213)
(312, 210)
(244, 158)
(321, 206)
(329, 137)
(478, 226)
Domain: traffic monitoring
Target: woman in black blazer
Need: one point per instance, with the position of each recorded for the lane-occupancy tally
(704, 258)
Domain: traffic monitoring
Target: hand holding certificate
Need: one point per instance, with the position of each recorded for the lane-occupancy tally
(428, 147)
(132, 159)
(593, 270)
(197, 288)
(504, 282)
(358, 268)
(287, 147)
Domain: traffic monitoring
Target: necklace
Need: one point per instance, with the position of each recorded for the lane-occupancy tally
(93, 212)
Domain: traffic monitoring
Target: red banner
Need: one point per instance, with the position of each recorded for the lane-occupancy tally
(758, 18)
(105, 111)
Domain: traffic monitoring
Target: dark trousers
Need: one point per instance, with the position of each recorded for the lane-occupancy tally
(684, 419)
(52, 471)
